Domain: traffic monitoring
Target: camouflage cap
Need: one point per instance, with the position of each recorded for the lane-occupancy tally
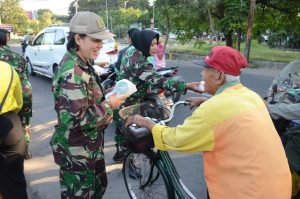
(90, 24)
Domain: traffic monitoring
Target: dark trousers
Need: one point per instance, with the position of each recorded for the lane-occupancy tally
(12, 149)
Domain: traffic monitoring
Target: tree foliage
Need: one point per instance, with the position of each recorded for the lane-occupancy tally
(12, 13)
(98, 6)
(279, 19)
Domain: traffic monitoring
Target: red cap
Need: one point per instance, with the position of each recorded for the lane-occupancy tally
(225, 59)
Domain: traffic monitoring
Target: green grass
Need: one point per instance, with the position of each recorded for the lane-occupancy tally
(257, 51)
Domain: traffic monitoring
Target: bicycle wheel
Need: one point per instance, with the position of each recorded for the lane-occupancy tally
(145, 179)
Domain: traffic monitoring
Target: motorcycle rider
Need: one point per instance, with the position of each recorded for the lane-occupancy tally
(283, 113)
(27, 40)
(18, 62)
(135, 67)
(120, 56)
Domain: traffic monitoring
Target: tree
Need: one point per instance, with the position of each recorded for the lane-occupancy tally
(250, 28)
(44, 18)
(280, 19)
(12, 13)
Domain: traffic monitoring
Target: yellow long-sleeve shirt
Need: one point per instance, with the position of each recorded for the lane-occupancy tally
(243, 155)
(14, 100)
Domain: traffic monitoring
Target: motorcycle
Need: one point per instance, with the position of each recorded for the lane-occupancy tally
(285, 88)
(171, 72)
(286, 85)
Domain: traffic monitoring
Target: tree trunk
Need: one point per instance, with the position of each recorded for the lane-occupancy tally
(211, 25)
(250, 29)
(228, 38)
(239, 38)
(168, 23)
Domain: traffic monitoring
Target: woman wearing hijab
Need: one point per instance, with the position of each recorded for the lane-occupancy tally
(135, 67)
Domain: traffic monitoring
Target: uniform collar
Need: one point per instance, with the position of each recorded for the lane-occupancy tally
(227, 85)
(78, 60)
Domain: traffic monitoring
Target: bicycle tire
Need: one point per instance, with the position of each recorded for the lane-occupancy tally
(150, 184)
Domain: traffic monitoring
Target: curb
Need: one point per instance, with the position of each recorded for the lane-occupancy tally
(252, 63)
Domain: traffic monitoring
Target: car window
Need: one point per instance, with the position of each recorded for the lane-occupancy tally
(59, 37)
(49, 38)
(38, 40)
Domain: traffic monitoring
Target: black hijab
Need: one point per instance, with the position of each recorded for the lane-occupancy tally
(142, 40)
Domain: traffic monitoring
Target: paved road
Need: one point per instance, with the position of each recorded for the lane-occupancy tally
(42, 173)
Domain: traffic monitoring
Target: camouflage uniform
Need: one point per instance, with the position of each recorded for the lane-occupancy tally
(18, 62)
(135, 67)
(77, 142)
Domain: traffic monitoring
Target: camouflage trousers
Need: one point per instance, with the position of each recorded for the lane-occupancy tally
(79, 154)
(88, 184)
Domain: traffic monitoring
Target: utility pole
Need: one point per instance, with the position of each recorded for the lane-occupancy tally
(106, 14)
(153, 16)
(76, 6)
(152, 3)
(111, 27)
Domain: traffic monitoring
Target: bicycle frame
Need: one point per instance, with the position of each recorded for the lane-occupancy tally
(163, 161)
(179, 186)
(163, 158)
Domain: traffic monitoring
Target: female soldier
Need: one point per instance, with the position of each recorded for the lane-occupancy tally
(135, 67)
(82, 111)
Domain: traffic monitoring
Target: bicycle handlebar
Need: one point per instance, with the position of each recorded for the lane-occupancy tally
(173, 110)
(141, 131)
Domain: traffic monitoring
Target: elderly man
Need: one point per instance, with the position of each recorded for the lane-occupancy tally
(243, 155)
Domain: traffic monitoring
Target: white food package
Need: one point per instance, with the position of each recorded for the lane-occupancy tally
(123, 87)
(201, 86)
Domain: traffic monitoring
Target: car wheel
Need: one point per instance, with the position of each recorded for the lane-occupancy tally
(29, 68)
(55, 69)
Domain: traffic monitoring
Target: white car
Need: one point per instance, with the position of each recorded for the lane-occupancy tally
(108, 53)
(50, 45)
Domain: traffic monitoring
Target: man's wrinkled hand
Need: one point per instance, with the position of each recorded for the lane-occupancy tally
(194, 86)
(195, 101)
(129, 120)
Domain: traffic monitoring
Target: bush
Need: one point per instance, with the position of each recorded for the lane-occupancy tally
(293, 41)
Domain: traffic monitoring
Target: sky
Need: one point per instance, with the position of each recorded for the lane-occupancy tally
(56, 6)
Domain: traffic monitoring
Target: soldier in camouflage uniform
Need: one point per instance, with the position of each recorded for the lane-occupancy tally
(82, 112)
(135, 67)
(18, 62)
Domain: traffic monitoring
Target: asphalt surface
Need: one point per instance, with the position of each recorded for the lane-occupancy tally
(42, 173)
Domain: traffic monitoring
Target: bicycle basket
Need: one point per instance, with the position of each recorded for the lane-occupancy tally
(136, 141)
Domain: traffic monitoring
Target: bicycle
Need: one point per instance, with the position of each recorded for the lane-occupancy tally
(147, 172)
